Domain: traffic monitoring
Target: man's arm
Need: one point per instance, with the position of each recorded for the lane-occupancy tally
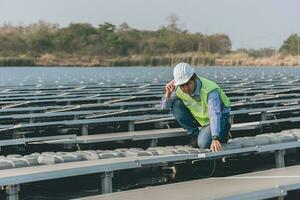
(214, 111)
(166, 104)
(169, 97)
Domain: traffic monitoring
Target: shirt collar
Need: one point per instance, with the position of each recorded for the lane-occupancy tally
(196, 94)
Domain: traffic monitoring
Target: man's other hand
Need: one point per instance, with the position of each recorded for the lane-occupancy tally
(215, 146)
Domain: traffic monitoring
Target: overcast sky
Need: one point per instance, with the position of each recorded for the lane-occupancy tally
(249, 23)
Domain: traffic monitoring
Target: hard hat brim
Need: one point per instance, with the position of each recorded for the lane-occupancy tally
(181, 82)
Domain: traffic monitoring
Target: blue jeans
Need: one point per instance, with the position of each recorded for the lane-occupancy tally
(187, 121)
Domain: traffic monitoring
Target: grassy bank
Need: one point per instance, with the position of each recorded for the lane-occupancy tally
(135, 60)
(196, 59)
(16, 61)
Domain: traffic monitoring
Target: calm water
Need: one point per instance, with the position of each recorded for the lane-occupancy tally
(117, 75)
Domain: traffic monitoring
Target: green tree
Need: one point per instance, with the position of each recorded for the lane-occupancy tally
(76, 38)
(291, 45)
(12, 40)
(39, 37)
(40, 42)
(107, 40)
(218, 43)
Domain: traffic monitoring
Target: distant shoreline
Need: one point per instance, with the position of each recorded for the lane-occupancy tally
(195, 59)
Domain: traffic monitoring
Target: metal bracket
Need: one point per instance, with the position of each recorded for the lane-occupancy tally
(131, 126)
(31, 120)
(106, 182)
(84, 129)
(231, 119)
(279, 158)
(12, 192)
(154, 142)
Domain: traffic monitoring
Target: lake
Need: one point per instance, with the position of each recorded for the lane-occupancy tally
(13, 76)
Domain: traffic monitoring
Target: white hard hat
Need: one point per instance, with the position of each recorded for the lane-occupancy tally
(182, 73)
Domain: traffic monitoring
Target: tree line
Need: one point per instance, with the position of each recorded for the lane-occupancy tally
(106, 40)
(121, 45)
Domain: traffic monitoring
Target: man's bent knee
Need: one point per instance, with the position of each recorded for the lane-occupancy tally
(204, 144)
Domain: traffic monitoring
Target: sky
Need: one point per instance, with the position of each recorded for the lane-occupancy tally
(249, 23)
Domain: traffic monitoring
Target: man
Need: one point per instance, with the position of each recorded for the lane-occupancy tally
(196, 101)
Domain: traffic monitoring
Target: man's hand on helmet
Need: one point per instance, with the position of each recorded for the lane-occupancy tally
(170, 87)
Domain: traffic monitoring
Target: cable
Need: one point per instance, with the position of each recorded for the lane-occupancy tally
(210, 174)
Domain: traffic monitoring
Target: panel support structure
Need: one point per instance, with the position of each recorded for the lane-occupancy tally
(279, 158)
(31, 120)
(106, 182)
(84, 129)
(131, 126)
(154, 142)
(12, 192)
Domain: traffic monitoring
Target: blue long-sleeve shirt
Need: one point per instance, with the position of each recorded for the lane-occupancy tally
(215, 106)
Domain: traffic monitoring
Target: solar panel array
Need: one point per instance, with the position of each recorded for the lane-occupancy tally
(43, 113)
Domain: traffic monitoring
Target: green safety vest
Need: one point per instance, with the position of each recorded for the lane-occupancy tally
(199, 109)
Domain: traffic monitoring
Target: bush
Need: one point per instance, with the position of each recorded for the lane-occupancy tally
(10, 61)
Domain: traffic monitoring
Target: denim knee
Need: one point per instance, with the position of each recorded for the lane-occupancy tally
(184, 117)
(204, 144)
(204, 137)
